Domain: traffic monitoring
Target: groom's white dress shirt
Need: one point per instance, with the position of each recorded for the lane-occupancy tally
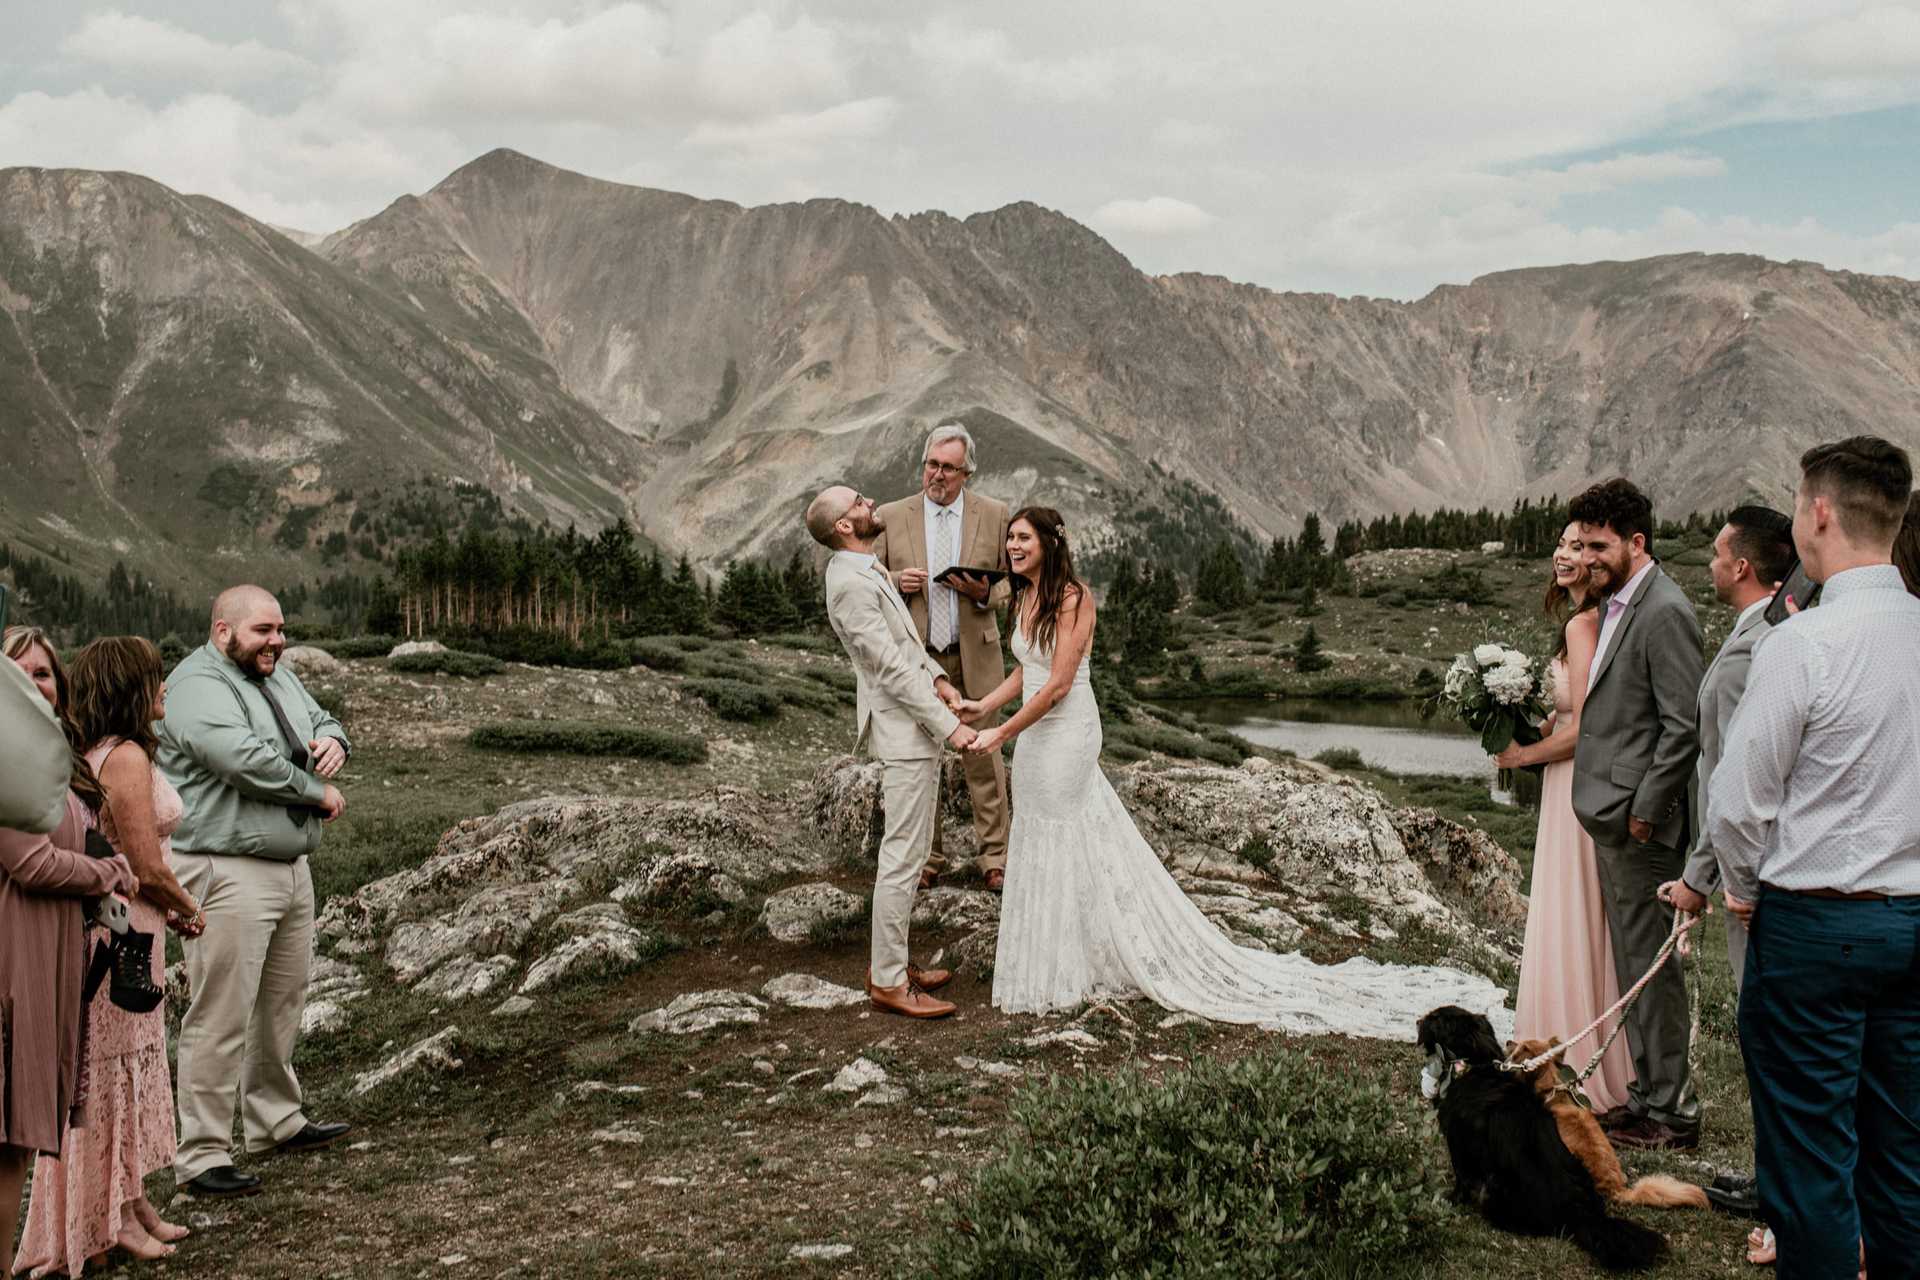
(1610, 621)
(943, 602)
(1819, 786)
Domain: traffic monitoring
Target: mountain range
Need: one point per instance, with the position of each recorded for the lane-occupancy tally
(203, 395)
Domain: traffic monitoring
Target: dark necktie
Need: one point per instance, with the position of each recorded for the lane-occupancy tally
(296, 749)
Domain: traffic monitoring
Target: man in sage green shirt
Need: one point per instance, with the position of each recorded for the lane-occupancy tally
(250, 752)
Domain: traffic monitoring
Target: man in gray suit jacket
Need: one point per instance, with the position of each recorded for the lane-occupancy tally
(1752, 555)
(1631, 768)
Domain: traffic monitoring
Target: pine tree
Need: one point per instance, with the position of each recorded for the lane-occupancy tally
(1307, 657)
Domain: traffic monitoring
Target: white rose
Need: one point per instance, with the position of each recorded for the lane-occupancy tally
(1514, 658)
(1487, 655)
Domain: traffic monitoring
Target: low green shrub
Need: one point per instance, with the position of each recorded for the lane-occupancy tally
(799, 693)
(582, 739)
(736, 699)
(360, 646)
(1341, 758)
(658, 654)
(1124, 752)
(1268, 1165)
(839, 679)
(691, 644)
(451, 662)
(332, 701)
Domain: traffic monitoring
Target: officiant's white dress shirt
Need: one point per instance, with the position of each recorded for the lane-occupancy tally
(1819, 784)
(941, 597)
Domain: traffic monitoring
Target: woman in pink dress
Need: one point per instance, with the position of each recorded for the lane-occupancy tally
(43, 882)
(91, 1198)
(1566, 968)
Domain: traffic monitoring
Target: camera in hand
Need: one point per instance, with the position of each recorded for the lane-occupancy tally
(127, 953)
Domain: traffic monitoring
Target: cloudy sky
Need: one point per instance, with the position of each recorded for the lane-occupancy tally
(1358, 147)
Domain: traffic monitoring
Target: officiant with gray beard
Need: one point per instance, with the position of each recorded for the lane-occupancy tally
(945, 526)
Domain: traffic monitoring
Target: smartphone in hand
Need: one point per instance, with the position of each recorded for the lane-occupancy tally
(1804, 591)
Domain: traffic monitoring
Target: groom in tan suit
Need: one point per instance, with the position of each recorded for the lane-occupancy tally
(945, 525)
(903, 709)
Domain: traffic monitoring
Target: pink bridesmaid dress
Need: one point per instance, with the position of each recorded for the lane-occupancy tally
(1566, 968)
(81, 1203)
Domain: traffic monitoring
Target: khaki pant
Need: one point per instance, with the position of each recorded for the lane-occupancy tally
(986, 785)
(248, 974)
(908, 789)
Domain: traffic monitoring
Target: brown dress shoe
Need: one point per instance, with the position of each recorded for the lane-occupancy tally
(996, 880)
(1614, 1117)
(1648, 1134)
(929, 979)
(907, 999)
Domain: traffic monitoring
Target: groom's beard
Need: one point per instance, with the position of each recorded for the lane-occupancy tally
(1608, 576)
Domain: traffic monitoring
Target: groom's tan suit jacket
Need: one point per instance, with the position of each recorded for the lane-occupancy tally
(899, 716)
(983, 545)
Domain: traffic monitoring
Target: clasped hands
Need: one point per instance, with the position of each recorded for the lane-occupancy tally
(965, 738)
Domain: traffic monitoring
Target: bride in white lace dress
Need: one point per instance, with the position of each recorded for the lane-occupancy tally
(1088, 911)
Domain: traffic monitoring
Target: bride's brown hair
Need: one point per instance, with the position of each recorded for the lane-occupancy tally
(1057, 583)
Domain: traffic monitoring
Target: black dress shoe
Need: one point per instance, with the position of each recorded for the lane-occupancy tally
(1734, 1181)
(223, 1180)
(1741, 1204)
(313, 1137)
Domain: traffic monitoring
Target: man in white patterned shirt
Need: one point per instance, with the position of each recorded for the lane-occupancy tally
(1815, 814)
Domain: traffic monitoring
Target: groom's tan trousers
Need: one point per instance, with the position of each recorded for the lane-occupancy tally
(248, 975)
(908, 789)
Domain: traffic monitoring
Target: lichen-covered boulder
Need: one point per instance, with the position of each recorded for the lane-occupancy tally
(698, 1011)
(594, 942)
(798, 913)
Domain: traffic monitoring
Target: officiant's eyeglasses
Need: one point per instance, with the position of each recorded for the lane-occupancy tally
(945, 470)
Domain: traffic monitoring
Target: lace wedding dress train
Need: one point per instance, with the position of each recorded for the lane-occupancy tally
(1088, 911)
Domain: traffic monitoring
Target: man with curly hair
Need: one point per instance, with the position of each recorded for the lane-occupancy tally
(1639, 736)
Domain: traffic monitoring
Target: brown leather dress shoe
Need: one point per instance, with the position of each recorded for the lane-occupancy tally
(929, 979)
(1614, 1117)
(908, 1000)
(996, 880)
(1648, 1134)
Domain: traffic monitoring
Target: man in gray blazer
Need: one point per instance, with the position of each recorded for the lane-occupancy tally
(1631, 769)
(903, 713)
(1751, 557)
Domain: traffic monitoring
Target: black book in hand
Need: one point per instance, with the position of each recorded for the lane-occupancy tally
(993, 577)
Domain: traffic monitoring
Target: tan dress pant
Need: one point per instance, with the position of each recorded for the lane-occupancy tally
(908, 789)
(248, 974)
(986, 785)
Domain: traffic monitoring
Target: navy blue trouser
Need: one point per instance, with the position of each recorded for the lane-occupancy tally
(1830, 1026)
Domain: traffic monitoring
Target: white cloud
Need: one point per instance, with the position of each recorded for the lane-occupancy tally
(128, 43)
(1154, 216)
(793, 133)
(1370, 146)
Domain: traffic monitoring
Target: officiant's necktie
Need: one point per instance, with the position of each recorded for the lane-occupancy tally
(939, 598)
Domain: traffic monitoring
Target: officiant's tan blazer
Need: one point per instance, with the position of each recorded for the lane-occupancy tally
(983, 545)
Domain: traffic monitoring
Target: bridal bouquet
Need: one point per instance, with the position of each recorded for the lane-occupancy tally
(1496, 692)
